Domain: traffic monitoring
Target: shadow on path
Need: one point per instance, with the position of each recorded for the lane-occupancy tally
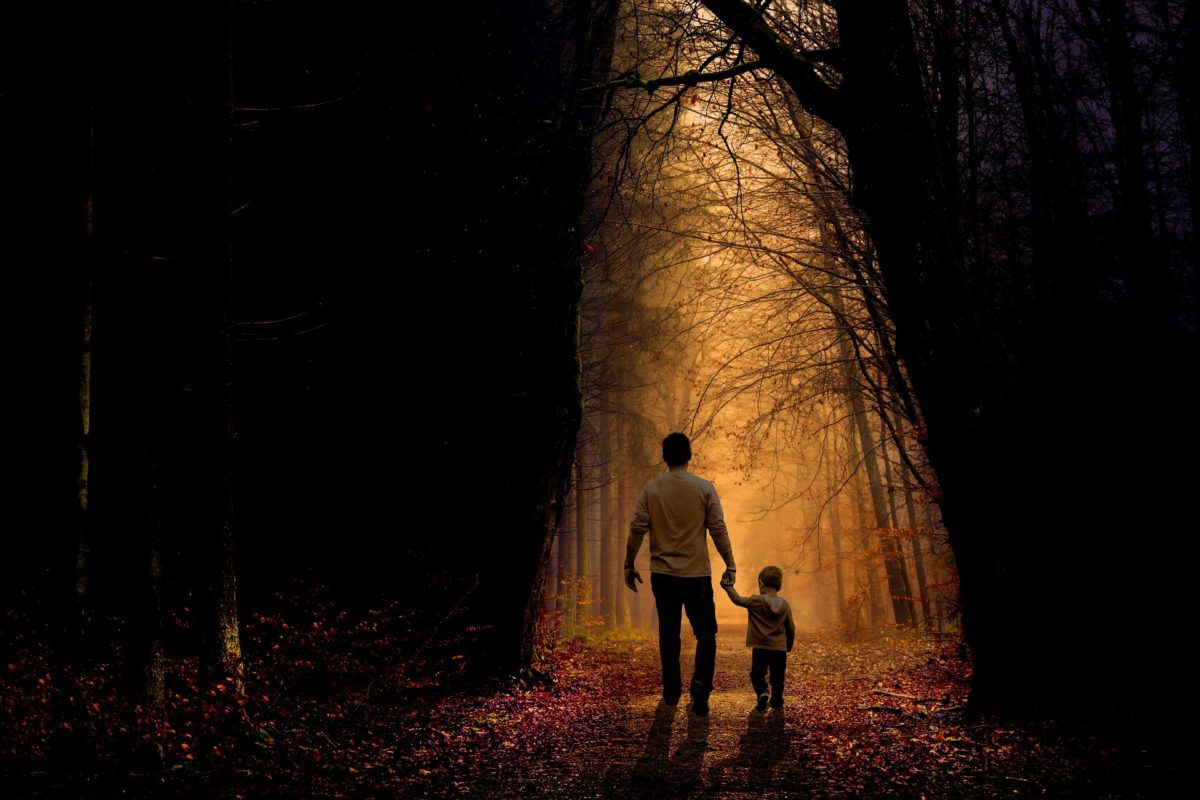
(667, 774)
(763, 745)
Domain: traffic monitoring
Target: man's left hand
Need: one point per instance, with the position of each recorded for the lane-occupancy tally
(632, 578)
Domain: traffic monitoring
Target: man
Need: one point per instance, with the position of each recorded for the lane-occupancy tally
(676, 508)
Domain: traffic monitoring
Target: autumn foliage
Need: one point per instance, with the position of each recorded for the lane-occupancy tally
(373, 704)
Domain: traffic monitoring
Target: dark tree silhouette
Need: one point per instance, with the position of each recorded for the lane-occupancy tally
(330, 272)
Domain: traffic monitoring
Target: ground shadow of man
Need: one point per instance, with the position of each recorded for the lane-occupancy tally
(763, 745)
(668, 774)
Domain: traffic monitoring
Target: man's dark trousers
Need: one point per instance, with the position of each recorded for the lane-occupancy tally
(672, 595)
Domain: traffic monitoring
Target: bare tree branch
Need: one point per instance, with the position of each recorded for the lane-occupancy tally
(690, 78)
(793, 65)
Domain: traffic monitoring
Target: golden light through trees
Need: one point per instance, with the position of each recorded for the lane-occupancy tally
(731, 293)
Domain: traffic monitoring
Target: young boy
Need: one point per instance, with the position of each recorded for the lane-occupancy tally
(769, 631)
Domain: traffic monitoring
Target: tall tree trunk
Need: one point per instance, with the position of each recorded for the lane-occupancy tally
(820, 581)
(1187, 68)
(552, 597)
(938, 571)
(84, 602)
(146, 654)
(866, 547)
(1145, 269)
(893, 566)
(914, 532)
(212, 97)
(583, 594)
(887, 544)
(567, 583)
(73, 744)
(835, 528)
(918, 557)
(894, 537)
(621, 519)
(609, 565)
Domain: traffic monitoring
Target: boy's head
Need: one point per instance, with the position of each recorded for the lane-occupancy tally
(676, 450)
(771, 578)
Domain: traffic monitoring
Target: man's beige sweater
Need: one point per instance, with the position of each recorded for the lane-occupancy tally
(675, 509)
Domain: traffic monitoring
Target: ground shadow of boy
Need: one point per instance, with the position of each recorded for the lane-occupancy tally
(763, 745)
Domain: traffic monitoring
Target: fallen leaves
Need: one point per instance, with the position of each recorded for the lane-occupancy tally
(334, 708)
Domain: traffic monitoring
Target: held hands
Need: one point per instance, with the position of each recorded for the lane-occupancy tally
(632, 578)
(728, 577)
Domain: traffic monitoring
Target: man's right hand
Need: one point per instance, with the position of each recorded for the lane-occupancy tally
(728, 578)
(632, 578)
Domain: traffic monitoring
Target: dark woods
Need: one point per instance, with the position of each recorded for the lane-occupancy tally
(296, 288)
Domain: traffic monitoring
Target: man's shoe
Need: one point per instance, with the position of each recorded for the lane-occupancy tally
(761, 705)
(671, 701)
(700, 707)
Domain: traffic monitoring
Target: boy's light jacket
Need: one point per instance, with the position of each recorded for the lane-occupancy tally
(770, 626)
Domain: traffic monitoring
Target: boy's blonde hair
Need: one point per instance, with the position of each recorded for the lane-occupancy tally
(771, 577)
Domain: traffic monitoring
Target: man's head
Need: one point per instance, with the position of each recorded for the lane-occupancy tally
(677, 450)
(771, 578)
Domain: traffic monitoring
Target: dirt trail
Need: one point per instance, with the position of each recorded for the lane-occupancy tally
(646, 749)
(879, 718)
(876, 719)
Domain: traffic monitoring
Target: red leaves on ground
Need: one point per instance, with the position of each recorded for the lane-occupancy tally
(338, 706)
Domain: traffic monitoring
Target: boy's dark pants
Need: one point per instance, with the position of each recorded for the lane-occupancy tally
(673, 595)
(760, 661)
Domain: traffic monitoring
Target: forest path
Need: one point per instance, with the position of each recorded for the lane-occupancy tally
(880, 718)
(651, 749)
(877, 718)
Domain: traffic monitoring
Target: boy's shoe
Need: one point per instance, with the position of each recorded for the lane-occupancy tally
(761, 705)
(700, 707)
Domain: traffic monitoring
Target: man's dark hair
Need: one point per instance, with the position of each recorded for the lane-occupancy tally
(772, 577)
(677, 449)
